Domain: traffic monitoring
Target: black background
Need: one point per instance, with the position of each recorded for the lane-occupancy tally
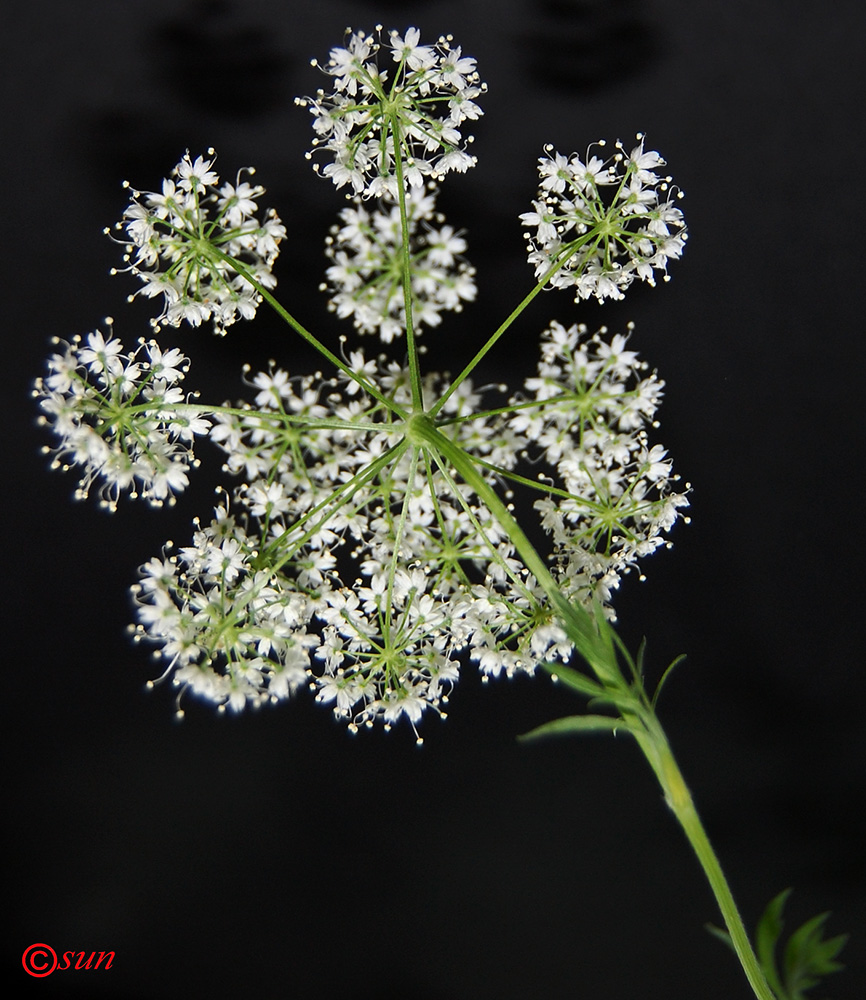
(275, 855)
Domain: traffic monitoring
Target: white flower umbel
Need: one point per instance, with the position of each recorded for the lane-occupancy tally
(121, 416)
(368, 551)
(410, 111)
(615, 495)
(365, 278)
(177, 242)
(232, 633)
(377, 538)
(604, 223)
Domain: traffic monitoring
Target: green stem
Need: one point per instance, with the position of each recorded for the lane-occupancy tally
(512, 316)
(284, 314)
(598, 648)
(275, 417)
(339, 498)
(655, 747)
(406, 270)
(592, 643)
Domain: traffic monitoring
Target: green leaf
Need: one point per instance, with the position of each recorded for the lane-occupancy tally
(808, 958)
(591, 633)
(575, 724)
(664, 677)
(623, 702)
(767, 934)
(574, 679)
(641, 653)
(722, 935)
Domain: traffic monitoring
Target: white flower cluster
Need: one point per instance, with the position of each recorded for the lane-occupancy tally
(616, 496)
(365, 277)
(121, 415)
(332, 485)
(228, 629)
(177, 241)
(364, 550)
(601, 244)
(369, 122)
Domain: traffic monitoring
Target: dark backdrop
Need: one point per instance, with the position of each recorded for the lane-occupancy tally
(273, 854)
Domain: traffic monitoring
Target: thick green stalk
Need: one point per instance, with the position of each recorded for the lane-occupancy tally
(656, 749)
(594, 645)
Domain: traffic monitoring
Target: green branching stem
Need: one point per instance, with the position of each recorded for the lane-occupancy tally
(594, 646)
(511, 317)
(284, 314)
